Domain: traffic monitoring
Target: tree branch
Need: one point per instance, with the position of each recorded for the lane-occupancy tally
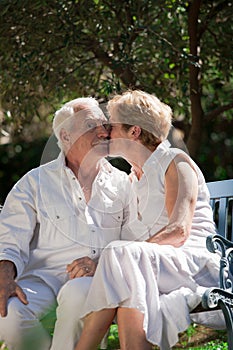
(215, 112)
(215, 10)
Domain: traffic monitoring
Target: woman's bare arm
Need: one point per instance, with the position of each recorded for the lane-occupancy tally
(181, 188)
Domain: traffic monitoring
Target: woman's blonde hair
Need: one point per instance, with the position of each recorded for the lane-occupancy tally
(136, 107)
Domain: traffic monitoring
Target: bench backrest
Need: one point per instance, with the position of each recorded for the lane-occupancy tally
(221, 200)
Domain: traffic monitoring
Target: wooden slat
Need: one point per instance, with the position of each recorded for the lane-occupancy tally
(219, 189)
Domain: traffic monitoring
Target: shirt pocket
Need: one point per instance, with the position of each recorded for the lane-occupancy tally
(109, 229)
(57, 221)
(112, 220)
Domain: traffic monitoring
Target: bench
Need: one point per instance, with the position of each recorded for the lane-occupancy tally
(221, 200)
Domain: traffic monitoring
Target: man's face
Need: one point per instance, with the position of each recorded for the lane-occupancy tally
(89, 134)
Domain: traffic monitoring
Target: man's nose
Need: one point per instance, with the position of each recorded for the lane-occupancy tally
(102, 131)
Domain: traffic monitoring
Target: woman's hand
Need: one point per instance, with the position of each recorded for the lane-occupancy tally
(170, 235)
(81, 267)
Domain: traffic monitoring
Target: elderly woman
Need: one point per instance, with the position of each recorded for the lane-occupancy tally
(149, 287)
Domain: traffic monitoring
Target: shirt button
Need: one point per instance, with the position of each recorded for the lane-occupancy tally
(93, 251)
(80, 198)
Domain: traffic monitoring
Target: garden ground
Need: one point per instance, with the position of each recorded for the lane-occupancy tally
(195, 337)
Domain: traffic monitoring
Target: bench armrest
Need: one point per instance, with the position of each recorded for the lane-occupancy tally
(218, 244)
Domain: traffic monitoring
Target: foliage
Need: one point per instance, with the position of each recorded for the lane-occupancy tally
(16, 160)
(52, 51)
(113, 340)
(213, 346)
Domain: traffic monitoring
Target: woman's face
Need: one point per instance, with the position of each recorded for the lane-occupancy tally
(120, 139)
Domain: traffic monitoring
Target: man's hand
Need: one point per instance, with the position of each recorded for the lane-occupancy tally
(81, 267)
(8, 286)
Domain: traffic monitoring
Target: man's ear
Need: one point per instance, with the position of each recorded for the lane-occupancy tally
(135, 131)
(64, 136)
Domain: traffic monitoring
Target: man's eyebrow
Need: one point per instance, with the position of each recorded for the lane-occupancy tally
(89, 119)
(96, 121)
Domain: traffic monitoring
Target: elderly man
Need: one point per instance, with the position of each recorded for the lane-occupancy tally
(53, 227)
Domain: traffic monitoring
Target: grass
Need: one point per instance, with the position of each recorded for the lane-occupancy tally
(196, 337)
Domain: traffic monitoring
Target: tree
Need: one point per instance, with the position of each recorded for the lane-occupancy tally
(51, 51)
(197, 27)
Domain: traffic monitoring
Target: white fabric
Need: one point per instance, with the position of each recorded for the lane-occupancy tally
(51, 198)
(45, 223)
(157, 280)
(151, 199)
(69, 325)
(22, 323)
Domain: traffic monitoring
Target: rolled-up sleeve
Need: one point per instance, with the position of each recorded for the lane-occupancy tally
(18, 220)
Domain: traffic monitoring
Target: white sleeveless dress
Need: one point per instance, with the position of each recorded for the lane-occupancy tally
(159, 280)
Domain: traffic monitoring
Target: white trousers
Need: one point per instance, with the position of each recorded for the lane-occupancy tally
(68, 326)
(21, 329)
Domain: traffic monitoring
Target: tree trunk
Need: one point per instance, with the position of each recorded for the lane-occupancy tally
(195, 133)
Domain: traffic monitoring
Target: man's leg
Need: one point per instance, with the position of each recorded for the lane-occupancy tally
(21, 329)
(68, 327)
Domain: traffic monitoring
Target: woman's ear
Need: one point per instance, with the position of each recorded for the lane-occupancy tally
(135, 131)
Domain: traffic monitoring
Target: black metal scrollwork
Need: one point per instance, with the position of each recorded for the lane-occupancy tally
(222, 296)
(224, 247)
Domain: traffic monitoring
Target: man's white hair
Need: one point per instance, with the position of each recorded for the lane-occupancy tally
(65, 116)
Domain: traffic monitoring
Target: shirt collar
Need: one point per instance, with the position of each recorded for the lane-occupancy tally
(105, 166)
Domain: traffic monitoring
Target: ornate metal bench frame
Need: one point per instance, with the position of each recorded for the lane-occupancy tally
(221, 196)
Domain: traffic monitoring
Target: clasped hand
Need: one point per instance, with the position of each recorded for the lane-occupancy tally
(81, 267)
